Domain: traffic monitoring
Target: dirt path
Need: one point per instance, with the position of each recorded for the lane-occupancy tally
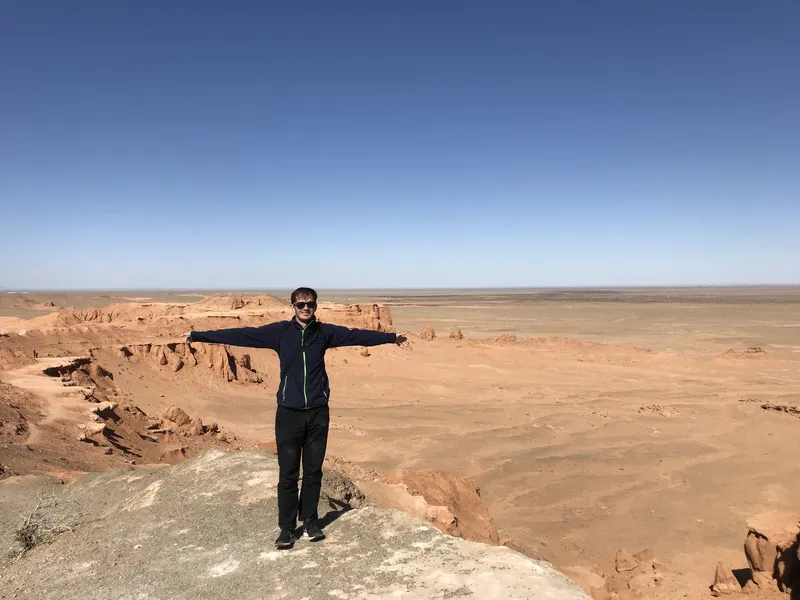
(60, 404)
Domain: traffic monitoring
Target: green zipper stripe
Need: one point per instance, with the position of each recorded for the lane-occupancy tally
(305, 395)
(285, 381)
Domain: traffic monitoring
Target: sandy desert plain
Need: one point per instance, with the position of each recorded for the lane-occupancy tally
(629, 418)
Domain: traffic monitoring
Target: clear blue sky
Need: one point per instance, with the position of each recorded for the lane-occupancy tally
(399, 144)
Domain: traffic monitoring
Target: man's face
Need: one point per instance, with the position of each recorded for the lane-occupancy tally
(304, 307)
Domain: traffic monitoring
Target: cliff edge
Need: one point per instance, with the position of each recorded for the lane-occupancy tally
(205, 529)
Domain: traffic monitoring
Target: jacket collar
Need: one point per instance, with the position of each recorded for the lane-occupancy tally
(313, 324)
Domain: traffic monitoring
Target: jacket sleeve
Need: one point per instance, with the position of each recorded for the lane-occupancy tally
(337, 336)
(267, 336)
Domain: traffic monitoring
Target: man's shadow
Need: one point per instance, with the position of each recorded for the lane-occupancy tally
(338, 508)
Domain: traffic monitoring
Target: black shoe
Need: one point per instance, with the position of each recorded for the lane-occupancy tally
(285, 539)
(312, 531)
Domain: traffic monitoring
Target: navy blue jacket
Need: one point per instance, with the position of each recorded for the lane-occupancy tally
(304, 381)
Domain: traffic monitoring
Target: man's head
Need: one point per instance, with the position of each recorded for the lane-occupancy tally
(304, 303)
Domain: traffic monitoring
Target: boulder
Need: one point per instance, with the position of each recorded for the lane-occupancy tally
(177, 416)
(771, 548)
(456, 334)
(625, 561)
(766, 532)
(725, 581)
(427, 333)
(196, 427)
(91, 429)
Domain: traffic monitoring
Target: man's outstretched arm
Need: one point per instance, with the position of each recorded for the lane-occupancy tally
(338, 336)
(267, 336)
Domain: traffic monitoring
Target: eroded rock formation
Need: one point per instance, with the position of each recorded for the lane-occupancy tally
(179, 355)
(427, 333)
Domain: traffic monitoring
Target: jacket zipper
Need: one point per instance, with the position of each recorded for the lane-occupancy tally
(303, 350)
(285, 381)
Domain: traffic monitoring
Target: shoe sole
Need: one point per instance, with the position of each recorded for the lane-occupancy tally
(318, 538)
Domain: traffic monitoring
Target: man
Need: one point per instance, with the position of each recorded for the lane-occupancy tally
(302, 416)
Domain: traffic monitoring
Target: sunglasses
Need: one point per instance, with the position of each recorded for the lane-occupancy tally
(302, 305)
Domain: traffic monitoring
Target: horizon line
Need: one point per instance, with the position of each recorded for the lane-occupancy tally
(413, 288)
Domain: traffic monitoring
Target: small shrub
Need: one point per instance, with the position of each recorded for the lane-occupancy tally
(40, 526)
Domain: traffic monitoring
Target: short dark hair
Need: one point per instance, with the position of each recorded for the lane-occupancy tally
(305, 292)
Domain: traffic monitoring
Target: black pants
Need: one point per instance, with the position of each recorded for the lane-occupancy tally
(300, 433)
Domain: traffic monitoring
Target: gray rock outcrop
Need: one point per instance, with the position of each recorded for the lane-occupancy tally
(205, 529)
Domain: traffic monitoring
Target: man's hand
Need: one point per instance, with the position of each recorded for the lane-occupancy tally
(402, 341)
(187, 337)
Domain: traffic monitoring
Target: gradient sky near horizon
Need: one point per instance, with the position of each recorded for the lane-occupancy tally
(407, 144)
